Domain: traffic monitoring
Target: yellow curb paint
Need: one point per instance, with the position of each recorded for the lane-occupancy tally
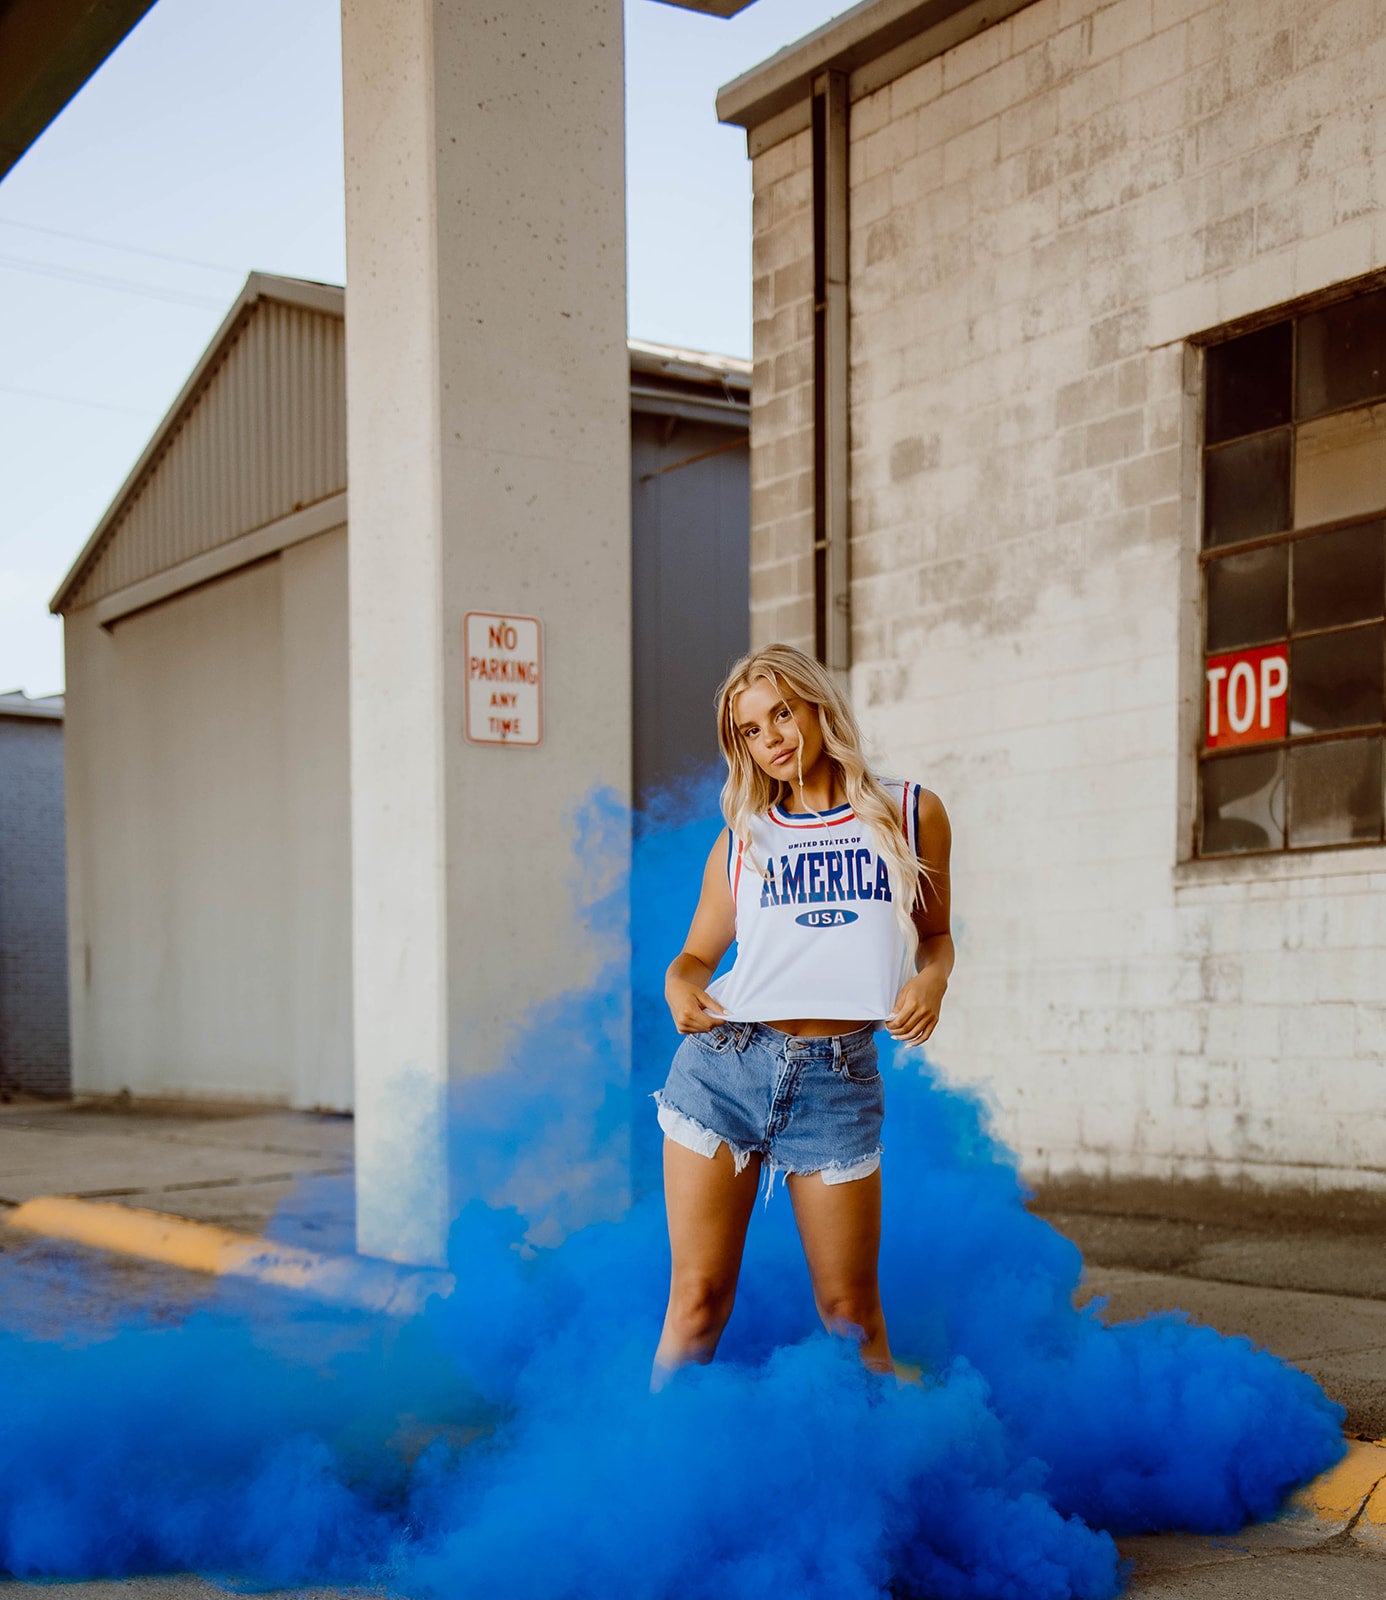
(1371, 1525)
(223, 1252)
(1337, 1495)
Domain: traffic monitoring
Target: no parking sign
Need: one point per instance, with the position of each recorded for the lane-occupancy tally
(505, 703)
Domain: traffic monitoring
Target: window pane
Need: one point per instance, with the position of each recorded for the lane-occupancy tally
(1340, 577)
(1336, 680)
(1247, 598)
(1340, 466)
(1335, 792)
(1243, 804)
(1248, 384)
(1342, 355)
(1246, 489)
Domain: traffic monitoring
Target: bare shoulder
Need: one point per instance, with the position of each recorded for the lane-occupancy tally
(935, 830)
(717, 856)
(931, 809)
(715, 879)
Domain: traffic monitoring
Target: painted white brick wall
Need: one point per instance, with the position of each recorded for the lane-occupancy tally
(1040, 218)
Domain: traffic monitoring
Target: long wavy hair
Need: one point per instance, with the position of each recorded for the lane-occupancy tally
(750, 792)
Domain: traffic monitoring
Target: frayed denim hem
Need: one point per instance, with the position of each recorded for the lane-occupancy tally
(835, 1172)
(693, 1135)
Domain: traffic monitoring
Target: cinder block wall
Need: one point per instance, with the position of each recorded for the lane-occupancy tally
(1040, 219)
(33, 910)
(782, 395)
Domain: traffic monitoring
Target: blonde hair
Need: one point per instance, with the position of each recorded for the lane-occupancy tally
(749, 791)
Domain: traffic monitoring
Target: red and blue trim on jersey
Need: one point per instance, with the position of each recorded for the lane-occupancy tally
(807, 820)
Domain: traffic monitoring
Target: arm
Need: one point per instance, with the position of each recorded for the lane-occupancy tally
(919, 1001)
(709, 939)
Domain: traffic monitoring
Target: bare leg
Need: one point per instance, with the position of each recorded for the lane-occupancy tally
(709, 1206)
(840, 1226)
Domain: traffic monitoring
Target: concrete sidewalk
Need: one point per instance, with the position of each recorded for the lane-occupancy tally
(222, 1164)
(1311, 1287)
(247, 1170)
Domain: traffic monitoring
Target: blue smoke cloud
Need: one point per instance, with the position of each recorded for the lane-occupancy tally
(505, 1440)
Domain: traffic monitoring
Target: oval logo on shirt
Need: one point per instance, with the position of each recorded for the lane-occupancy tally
(825, 919)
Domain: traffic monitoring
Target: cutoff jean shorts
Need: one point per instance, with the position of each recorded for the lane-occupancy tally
(802, 1105)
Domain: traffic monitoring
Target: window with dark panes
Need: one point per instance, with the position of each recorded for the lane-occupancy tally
(1293, 751)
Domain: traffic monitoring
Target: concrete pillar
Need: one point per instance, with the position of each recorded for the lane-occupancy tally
(488, 451)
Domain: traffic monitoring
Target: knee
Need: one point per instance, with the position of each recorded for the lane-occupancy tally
(855, 1306)
(698, 1309)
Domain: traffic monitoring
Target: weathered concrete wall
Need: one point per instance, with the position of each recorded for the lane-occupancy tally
(33, 914)
(209, 883)
(1040, 218)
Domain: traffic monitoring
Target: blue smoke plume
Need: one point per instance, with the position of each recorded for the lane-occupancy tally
(504, 1440)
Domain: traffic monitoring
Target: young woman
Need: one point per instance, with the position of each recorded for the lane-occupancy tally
(834, 886)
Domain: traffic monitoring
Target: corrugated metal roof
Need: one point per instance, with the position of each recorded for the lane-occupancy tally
(259, 431)
(15, 703)
(697, 366)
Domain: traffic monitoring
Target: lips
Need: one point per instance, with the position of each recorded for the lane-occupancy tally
(779, 761)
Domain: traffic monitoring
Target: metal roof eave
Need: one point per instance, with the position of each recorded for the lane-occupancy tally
(41, 708)
(323, 297)
(875, 42)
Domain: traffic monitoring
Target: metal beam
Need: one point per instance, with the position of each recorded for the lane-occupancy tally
(48, 50)
(711, 8)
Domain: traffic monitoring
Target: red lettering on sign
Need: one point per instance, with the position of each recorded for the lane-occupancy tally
(1246, 697)
(504, 658)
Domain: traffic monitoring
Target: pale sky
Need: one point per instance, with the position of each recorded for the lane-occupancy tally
(210, 145)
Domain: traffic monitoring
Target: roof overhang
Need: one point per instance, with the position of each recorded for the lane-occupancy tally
(712, 8)
(670, 382)
(872, 44)
(48, 50)
(47, 708)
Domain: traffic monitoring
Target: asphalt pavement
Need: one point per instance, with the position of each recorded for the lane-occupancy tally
(1306, 1280)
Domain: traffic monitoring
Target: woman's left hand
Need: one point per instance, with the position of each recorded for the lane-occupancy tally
(917, 1007)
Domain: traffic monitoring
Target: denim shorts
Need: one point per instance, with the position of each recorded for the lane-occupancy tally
(803, 1105)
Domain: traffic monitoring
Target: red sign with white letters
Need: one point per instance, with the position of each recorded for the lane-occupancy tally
(1246, 696)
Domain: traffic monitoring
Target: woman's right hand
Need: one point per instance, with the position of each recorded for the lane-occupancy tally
(693, 1009)
(714, 927)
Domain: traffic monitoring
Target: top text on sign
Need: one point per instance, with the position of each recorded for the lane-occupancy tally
(1246, 697)
(504, 679)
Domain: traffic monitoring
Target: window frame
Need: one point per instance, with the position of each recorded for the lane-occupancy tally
(1286, 860)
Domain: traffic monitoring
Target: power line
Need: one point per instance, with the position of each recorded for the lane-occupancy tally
(72, 400)
(129, 249)
(101, 280)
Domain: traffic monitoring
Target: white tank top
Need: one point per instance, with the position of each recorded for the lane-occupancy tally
(817, 936)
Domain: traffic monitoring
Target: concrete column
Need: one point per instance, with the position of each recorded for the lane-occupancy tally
(488, 451)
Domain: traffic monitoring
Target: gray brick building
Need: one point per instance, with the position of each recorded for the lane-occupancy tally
(1068, 406)
(34, 1055)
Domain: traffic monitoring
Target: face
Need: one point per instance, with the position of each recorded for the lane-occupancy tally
(775, 723)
